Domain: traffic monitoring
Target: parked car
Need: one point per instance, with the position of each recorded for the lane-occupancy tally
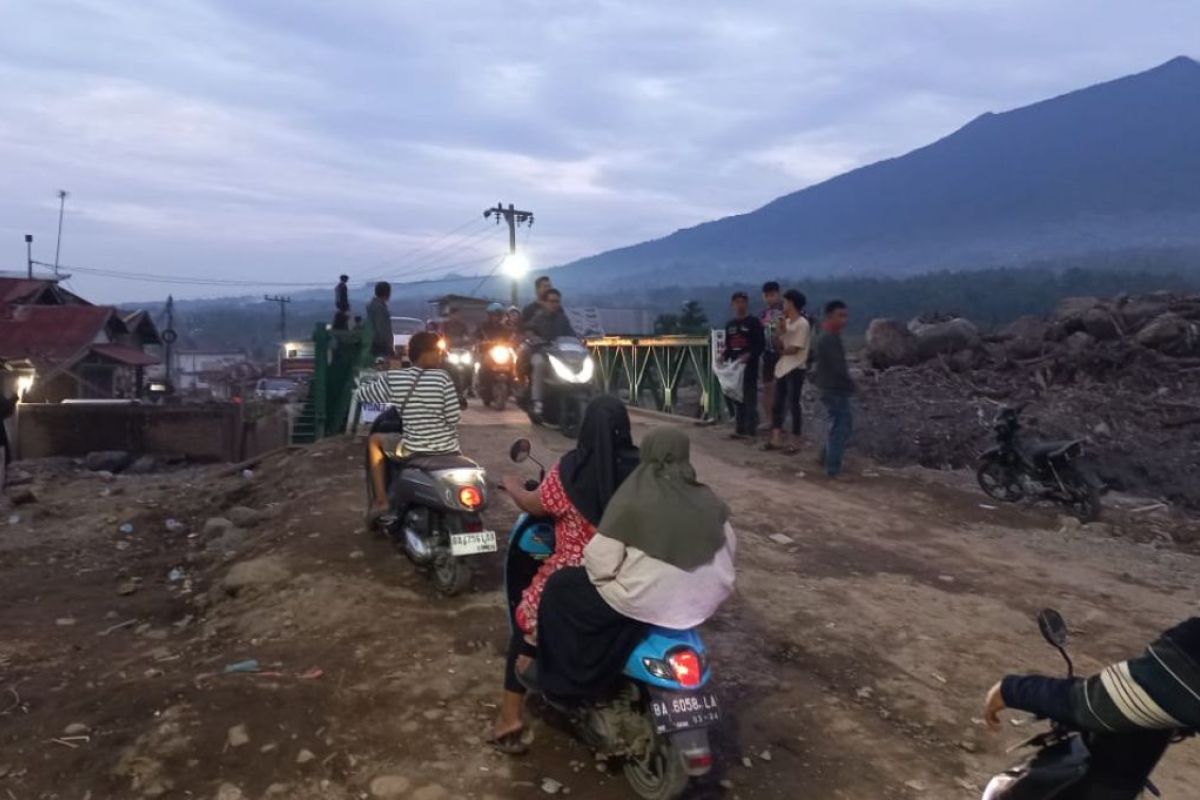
(275, 389)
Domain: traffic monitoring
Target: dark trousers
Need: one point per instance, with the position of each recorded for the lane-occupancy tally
(747, 410)
(787, 400)
(841, 422)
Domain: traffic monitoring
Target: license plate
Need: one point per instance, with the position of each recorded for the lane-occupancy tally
(471, 544)
(679, 711)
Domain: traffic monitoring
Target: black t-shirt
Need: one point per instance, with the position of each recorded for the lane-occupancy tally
(744, 336)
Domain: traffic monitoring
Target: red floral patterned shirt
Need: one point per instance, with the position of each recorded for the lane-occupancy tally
(572, 532)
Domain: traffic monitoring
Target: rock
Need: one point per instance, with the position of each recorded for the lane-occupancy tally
(968, 746)
(389, 786)
(107, 460)
(230, 539)
(1080, 342)
(244, 517)
(944, 337)
(964, 360)
(144, 465)
(237, 736)
(765, 755)
(781, 538)
(76, 729)
(276, 789)
(257, 572)
(916, 786)
(1137, 311)
(127, 588)
(1162, 331)
(1101, 324)
(126, 528)
(1066, 523)
(21, 496)
(215, 526)
(18, 477)
(1026, 327)
(64, 622)
(305, 755)
(173, 525)
(227, 791)
(1102, 429)
(890, 344)
(747, 762)
(431, 792)
(1072, 310)
(551, 786)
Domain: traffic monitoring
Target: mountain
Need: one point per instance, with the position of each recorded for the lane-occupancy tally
(1109, 168)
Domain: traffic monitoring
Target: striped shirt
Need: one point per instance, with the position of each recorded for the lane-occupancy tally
(428, 404)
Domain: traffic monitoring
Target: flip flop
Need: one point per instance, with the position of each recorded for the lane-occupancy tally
(375, 515)
(511, 743)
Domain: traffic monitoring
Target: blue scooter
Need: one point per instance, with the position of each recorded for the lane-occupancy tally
(655, 719)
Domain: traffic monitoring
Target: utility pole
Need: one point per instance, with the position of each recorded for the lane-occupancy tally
(169, 339)
(29, 254)
(283, 301)
(62, 204)
(515, 266)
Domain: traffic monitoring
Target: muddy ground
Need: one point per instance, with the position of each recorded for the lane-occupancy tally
(851, 662)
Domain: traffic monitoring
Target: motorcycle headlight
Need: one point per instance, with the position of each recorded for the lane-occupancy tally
(453, 358)
(500, 354)
(568, 375)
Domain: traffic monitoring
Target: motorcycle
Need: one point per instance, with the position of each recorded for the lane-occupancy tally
(568, 385)
(436, 503)
(1013, 469)
(1074, 765)
(656, 717)
(459, 361)
(495, 373)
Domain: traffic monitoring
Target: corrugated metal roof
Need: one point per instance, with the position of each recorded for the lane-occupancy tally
(51, 334)
(124, 354)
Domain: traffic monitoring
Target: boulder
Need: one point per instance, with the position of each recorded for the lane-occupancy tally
(215, 526)
(1101, 324)
(107, 460)
(1163, 331)
(244, 517)
(144, 465)
(1137, 311)
(256, 573)
(1080, 342)
(1026, 327)
(945, 337)
(890, 344)
(1072, 310)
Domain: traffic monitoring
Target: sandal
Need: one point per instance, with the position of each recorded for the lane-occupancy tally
(771, 447)
(511, 744)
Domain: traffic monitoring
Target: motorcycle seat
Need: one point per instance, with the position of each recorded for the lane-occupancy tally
(1052, 449)
(433, 462)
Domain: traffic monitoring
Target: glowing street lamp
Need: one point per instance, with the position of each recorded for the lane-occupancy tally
(516, 266)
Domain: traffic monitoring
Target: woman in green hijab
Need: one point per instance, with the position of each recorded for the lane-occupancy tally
(663, 556)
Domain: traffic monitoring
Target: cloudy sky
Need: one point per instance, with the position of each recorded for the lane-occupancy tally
(285, 141)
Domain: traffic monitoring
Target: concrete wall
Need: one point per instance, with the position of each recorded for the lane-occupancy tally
(203, 432)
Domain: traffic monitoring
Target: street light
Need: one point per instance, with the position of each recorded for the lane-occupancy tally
(516, 266)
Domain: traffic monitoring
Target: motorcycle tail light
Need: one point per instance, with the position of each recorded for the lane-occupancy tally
(470, 497)
(685, 663)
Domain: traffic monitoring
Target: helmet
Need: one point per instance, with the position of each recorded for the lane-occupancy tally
(514, 310)
(495, 308)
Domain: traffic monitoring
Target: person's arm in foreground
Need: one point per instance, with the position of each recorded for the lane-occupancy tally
(374, 389)
(1158, 690)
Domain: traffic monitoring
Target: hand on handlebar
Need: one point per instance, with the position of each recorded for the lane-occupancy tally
(992, 706)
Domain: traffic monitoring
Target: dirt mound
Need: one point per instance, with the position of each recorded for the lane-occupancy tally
(1124, 373)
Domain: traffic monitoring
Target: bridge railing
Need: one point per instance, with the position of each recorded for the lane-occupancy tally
(673, 374)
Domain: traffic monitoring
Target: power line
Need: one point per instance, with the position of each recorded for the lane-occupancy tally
(376, 271)
(179, 279)
(446, 251)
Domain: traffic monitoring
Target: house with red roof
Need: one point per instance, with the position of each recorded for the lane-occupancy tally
(76, 349)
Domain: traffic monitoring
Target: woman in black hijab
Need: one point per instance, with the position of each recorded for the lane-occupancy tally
(574, 494)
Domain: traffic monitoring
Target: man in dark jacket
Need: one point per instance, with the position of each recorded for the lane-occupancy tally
(832, 377)
(1134, 706)
(383, 343)
(745, 343)
(548, 324)
(540, 287)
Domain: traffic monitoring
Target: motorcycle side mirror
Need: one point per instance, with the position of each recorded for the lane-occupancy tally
(1053, 627)
(1054, 630)
(519, 452)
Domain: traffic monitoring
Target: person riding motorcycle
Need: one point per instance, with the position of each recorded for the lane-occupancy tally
(427, 404)
(455, 329)
(494, 328)
(548, 324)
(574, 494)
(1148, 698)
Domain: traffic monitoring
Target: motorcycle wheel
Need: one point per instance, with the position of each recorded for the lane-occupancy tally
(999, 481)
(500, 400)
(660, 774)
(571, 417)
(451, 575)
(1084, 494)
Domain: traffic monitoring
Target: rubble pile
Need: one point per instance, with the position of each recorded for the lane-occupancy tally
(1123, 373)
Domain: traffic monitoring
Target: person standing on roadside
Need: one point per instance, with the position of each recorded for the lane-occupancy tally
(771, 318)
(836, 385)
(744, 343)
(383, 343)
(794, 334)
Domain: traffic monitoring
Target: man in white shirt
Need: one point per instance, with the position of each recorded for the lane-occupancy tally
(795, 335)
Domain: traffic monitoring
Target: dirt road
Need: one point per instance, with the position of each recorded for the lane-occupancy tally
(852, 660)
